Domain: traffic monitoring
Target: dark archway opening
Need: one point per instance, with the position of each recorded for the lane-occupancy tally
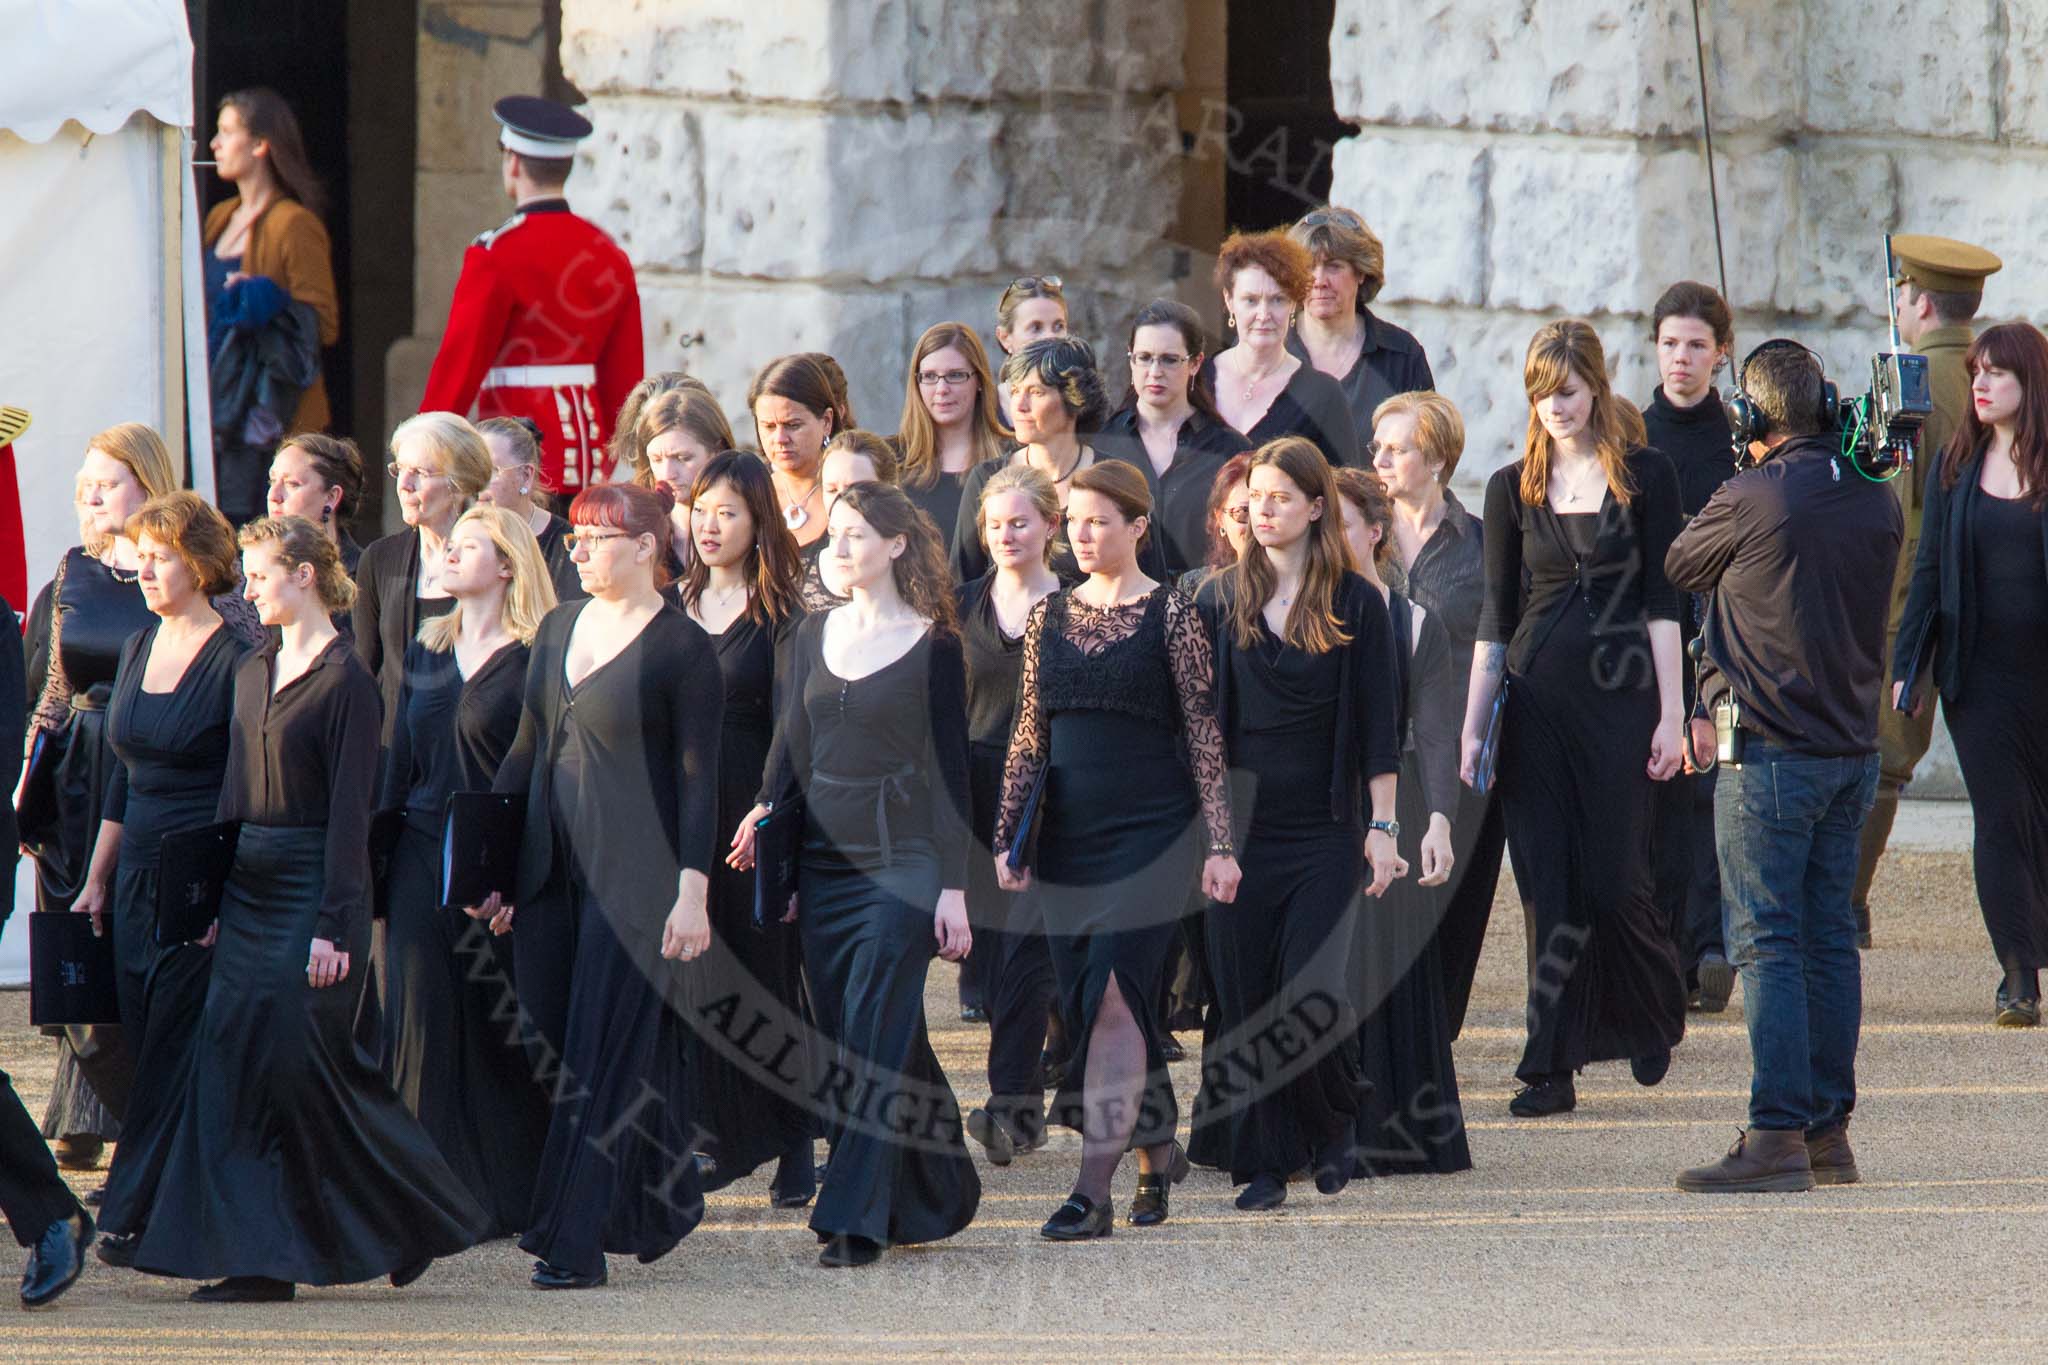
(1284, 119)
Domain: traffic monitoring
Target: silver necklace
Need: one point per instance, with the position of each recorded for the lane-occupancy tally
(793, 513)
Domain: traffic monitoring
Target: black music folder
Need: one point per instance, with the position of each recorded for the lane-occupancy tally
(192, 873)
(1024, 846)
(71, 973)
(778, 836)
(480, 847)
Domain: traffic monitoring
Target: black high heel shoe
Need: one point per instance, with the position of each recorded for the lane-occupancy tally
(1149, 1204)
(1080, 1219)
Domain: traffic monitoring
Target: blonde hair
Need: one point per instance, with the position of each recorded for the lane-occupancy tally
(1558, 353)
(1439, 430)
(1033, 484)
(143, 452)
(466, 458)
(528, 597)
(298, 541)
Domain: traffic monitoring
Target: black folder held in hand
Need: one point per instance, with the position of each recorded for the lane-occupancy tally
(480, 847)
(71, 973)
(777, 837)
(1024, 847)
(192, 873)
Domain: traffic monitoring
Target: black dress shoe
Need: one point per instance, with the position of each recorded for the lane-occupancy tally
(547, 1276)
(796, 1181)
(846, 1252)
(993, 1137)
(78, 1153)
(1149, 1204)
(1026, 1129)
(1080, 1219)
(1650, 1069)
(117, 1250)
(56, 1260)
(1542, 1098)
(406, 1274)
(246, 1289)
(1264, 1192)
(1333, 1168)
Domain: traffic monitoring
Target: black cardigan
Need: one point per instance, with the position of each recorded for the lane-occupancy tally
(1938, 628)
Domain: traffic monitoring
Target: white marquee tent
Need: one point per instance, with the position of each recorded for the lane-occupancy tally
(100, 293)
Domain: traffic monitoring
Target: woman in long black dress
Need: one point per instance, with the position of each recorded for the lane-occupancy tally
(1261, 388)
(617, 755)
(94, 608)
(1409, 1118)
(873, 739)
(320, 478)
(744, 1091)
(1979, 601)
(293, 1162)
(1306, 694)
(1116, 711)
(951, 421)
(448, 987)
(167, 724)
(1588, 651)
(1019, 516)
(517, 486)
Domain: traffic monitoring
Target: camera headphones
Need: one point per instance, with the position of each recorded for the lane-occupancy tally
(1747, 422)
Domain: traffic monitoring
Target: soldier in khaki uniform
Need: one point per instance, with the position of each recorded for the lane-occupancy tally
(1939, 288)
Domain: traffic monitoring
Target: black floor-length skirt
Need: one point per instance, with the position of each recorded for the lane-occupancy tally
(293, 1158)
(1016, 970)
(899, 1170)
(457, 1059)
(1604, 978)
(1120, 850)
(2003, 751)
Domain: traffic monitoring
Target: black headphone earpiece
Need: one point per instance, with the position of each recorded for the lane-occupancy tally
(1747, 422)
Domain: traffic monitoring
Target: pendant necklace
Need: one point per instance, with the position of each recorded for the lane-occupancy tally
(1253, 384)
(793, 514)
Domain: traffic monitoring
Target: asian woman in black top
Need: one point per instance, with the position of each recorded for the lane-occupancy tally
(617, 755)
(745, 1092)
(1588, 652)
(1116, 711)
(293, 1162)
(448, 986)
(516, 485)
(873, 740)
(1019, 516)
(1306, 695)
(167, 724)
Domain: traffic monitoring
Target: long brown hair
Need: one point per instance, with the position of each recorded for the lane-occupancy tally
(918, 435)
(689, 407)
(775, 568)
(922, 575)
(1313, 624)
(2020, 349)
(1367, 492)
(1560, 352)
(269, 119)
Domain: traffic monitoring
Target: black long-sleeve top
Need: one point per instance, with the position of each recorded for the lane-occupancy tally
(13, 712)
(879, 760)
(1448, 577)
(386, 617)
(1312, 405)
(308, 757)
(1390, 361)
(1367, 738)
(1432, 683)
(554, 550)
(994, 662)
(173, 746)
(453, 732)
(1799, 555)
(1698, 443)
(1179, 532)
(1621, 585)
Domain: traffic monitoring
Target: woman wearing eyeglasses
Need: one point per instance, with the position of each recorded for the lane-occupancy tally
(1261, 388)
(1370, 358)
(516, 485)
(952, 421)
(1169, 428)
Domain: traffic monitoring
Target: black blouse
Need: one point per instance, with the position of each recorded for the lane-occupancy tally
(969, 555)
(386, 617)
(940, 502)
(554, 548)
(1619, 582)
(995, 663)
(1390, 361)
(1432, 681)
(1179, 538)
(454, 731)
(173, 746)
(307, 757)
(1312, 405)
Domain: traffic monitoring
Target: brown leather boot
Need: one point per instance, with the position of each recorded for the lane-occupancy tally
(1827, 1152)
(1762, 1161)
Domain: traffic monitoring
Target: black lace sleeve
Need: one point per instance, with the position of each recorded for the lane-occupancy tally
(1029, 740)
(54, 702)
(1193, 660)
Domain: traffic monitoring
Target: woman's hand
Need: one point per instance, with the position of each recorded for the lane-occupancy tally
(1437, 858)
(1220, 876)
(494, 911)
(687, 932)
(212, 935)
(949, 926)
(1470, 745)
(1386, 862)
(1667, 750)
(326, 965)
(1018, 879)
(742, 856)
(1898, 702)
(789, 915)
(92, 900)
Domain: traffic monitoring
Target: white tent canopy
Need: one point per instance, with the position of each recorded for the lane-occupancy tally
(100, 293)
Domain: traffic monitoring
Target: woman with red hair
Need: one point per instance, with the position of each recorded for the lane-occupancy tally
(1261, 388)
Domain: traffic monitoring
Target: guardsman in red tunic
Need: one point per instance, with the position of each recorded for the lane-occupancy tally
(546, 317)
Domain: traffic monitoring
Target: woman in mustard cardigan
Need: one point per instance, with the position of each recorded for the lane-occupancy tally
(271, 229)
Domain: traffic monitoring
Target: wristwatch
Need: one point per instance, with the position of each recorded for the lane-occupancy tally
(1390, 828)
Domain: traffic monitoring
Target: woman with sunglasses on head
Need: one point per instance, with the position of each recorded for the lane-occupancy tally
(514, 443)
(1306, 695)
(1369, 357)
(1116, 714)
(873, 740)
(741, 587)
(1261, 388)
(617, 756)
(320, 478)
(1031, 308)
(1409, 1116)
(952, 421)
(447, 985)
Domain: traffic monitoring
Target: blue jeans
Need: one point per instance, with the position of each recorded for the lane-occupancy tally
(1788, 828)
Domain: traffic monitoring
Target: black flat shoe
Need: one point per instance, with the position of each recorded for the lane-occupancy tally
(795, 1183)
(1541, 1099)
(94, 1198)
(1149, 1206)
(56, 1260)
(547, 1276)
(1650, 1069)
(993, 1137)
(406, 1274)
(246, 1289)
(116, 1250)
(1080, 1219)
(1264, 1192)
(847, 1252)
